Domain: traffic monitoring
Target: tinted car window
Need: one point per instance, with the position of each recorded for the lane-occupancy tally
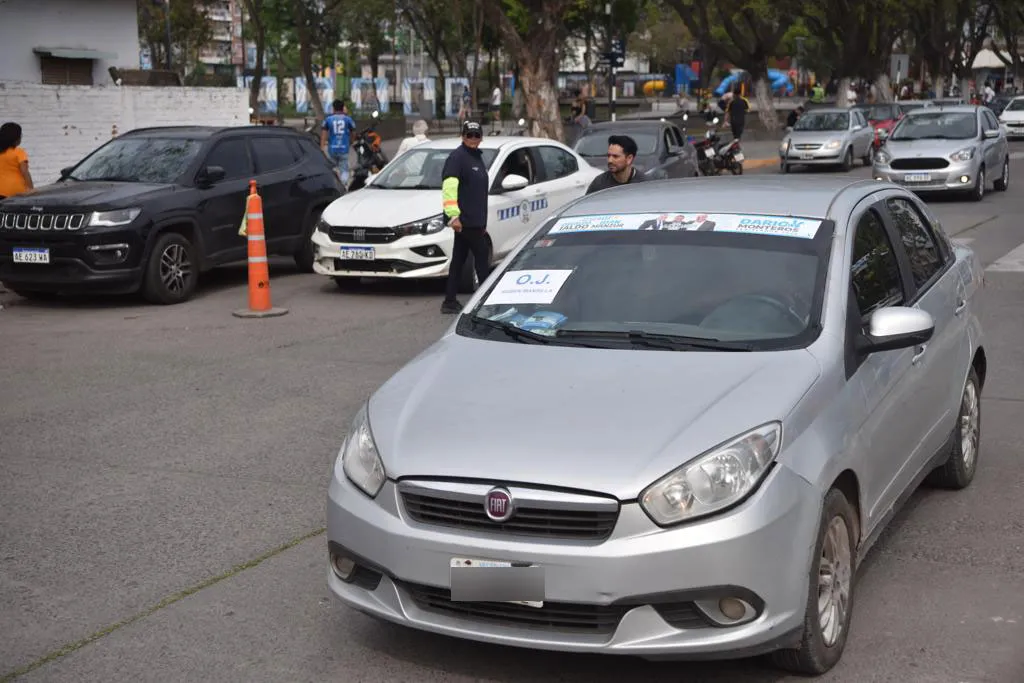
(233, 156)
(875, 272)
(139, 160)
(557, 162)
(920, 246)
(596, 144)
(272, 154)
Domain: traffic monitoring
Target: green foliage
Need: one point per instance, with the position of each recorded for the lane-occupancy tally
(191, 29)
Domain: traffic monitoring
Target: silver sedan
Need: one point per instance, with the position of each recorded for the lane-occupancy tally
(961, 148)
(827, 137)
(669, 433)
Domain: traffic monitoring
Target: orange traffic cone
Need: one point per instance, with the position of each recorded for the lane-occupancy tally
(259, 270)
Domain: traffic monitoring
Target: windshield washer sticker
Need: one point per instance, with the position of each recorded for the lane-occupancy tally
(783, 226)
(528, 287)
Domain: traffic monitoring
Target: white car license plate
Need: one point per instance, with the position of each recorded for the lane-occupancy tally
(29, 255)
(917, 177)
(358, 253)
(739, 156)
(475, 580)
(806, 155)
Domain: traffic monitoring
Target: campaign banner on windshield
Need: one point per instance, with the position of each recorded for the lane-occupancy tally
(781, 226)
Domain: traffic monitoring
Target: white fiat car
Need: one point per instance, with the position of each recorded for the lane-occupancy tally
(394, 228)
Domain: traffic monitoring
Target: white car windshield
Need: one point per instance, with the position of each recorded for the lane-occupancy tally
(679, 281)
(596, 144)
(936, 125)
(814, 121)
(420, 168)
(1015, 105)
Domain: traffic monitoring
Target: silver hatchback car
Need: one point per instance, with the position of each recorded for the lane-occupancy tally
(959, 148)
(670, 425)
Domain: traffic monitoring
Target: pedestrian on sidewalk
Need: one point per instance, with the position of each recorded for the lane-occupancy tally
(14, 176)
(464, 189)
(621, 153)
(336, 138)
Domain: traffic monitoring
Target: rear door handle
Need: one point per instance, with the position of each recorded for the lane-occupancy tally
(960, 307)
(919, 355)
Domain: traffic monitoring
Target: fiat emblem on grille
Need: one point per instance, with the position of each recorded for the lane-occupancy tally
(359, 234)
(498, 504)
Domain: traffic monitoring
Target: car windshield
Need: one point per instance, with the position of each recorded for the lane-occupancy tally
(912, 106)
(936, 125)
(139, 160)
(596, 144)
(1015, 105)
(880, 112)
(814, 121)
(669, 281)
(420, 168)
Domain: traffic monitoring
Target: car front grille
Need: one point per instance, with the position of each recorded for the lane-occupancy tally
(350, 234)
(806, 147)
(553, 616)
(529, 518)
(32, 220)
(390, 266)
(919, 164)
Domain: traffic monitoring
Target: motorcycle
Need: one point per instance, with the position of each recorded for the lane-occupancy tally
(370, 158)
(712, 158)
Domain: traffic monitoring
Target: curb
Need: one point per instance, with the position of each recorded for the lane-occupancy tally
(758, 163)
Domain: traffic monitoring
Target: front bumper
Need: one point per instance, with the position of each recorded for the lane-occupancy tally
(1014, 130)
(408, 257)
(77, 262)
(643, 591)
(812, 157)
(959, 175)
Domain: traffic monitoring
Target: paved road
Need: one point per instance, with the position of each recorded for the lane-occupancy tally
(163, 475)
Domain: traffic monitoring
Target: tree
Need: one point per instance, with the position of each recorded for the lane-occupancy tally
(745, 32)
(661, 35)
(191, 30)
(949, 34)
(1008, 17)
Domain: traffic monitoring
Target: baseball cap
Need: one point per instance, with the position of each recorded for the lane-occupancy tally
(471, 128)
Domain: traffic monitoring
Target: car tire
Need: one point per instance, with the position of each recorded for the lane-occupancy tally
(1003, 183)
(172, 271)
(848, 159)
(958, 471)
(304, 254)
(978, 191)
(784, 167)
(869, 157)
(821, 646)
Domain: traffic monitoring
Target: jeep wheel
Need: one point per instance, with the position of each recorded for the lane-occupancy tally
(171, 272)
(304, 254)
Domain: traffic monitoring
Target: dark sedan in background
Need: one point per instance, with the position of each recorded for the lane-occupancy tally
(662, 149)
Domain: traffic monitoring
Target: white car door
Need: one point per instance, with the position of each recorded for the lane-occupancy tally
(511, 212)
(562, 180)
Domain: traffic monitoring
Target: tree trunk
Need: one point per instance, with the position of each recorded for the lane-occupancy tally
(541, 98)
(844, 87)
(306, 59)
(765, 104)
(478, 38)
(260, 37)
(939, 83)
(883, 87)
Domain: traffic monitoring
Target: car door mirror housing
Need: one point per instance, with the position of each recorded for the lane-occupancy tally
(211, 174)
(66, 171)
(514, 182)
(896, 327)
(989, 134)
(857, 126)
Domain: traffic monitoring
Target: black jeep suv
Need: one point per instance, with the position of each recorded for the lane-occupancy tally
(155, 207)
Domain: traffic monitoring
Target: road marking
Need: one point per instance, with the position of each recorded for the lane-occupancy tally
(1012, 262)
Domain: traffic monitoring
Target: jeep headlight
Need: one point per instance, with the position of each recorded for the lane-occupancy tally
(111, 219)
(426, 226)
(965, 154)
(714, 481)
(359, 459)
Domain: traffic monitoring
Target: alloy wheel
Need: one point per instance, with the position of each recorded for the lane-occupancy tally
(835, 576)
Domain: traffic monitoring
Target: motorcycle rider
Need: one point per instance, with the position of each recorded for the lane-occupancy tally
(336, 136)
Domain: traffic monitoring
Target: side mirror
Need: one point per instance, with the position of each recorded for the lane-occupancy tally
(896, 327)
(66, 171)
(989, 134)
(514, 182)
(210, 175)
(858, 127)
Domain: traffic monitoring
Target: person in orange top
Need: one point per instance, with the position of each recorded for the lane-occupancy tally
(14, 175)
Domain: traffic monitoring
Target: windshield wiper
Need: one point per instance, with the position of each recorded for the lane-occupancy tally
(657, 340)
(520, 334)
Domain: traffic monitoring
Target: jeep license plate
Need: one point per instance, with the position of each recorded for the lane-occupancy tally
(30, 255)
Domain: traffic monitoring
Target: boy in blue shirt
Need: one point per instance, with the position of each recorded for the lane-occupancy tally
(336, 136)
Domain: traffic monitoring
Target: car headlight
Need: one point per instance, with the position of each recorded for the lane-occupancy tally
(965, 154)
(784, 147)
(110, 219)
(715, 480)
(323, 226)
(833, 144)
(359, 457)
(882, 157)
(426, 226)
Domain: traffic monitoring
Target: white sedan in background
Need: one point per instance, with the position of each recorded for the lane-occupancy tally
(1012, 118)
(394, 227)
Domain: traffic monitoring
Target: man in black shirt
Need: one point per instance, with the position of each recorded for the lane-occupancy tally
(464, 189)
(621, 152)
(737, 111)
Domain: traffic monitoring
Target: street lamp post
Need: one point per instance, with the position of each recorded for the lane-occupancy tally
(611, 63)
(167, 22)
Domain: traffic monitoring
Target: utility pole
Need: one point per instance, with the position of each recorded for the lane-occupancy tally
(611, 62)
(167, 21)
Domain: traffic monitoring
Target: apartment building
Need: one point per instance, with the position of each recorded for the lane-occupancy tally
(225, 55)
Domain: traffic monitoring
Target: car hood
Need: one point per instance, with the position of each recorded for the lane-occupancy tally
(925, 148)
(603, 420)
(1015, 115)
(92, 194)
(375, 208)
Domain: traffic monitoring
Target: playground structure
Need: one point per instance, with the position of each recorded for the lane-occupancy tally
(778, 80)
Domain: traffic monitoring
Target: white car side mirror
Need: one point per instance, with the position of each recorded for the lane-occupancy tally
(897, 327)
(514, 182)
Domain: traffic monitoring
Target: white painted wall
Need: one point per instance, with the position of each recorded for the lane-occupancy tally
(62, 124)
(110, 26)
